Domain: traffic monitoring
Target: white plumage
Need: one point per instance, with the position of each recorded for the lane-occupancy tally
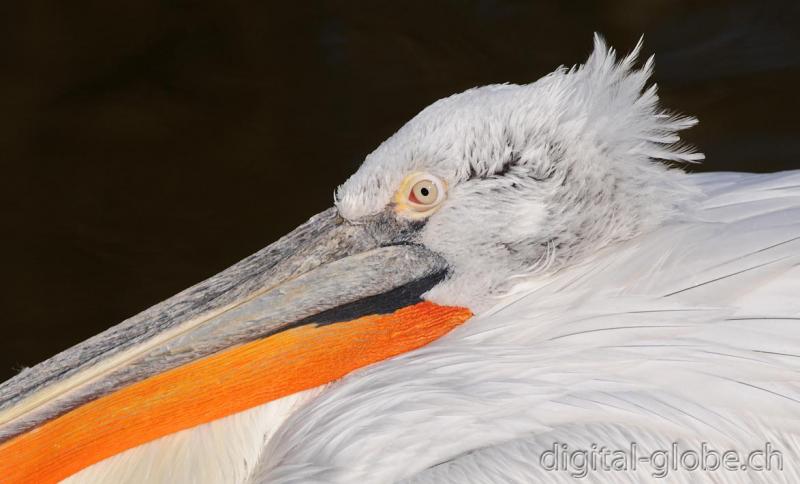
(617, 301)
(689, 333)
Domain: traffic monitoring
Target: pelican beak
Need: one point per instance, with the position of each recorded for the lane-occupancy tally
(327, 299)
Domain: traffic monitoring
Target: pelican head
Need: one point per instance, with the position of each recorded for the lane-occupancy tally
(480, 190)
(530, 177)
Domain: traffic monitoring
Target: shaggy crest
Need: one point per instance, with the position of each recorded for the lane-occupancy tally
(621, 114)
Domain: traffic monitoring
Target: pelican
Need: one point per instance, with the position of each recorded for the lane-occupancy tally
(521, 274)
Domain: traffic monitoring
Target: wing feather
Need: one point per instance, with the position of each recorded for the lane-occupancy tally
(689, 332)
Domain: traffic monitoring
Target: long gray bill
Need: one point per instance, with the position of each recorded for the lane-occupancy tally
(326, 270)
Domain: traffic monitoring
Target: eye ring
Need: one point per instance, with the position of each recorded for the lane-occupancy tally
(420, 194)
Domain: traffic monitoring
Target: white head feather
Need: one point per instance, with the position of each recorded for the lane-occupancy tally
(571, 162)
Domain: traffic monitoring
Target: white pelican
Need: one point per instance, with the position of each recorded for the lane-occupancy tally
(513, 277)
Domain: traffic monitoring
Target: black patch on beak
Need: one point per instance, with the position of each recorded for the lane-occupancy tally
(383, 303)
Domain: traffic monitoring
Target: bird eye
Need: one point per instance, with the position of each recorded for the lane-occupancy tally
(419, 195)
(424, 193)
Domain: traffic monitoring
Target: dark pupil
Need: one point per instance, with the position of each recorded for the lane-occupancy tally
(424, 192)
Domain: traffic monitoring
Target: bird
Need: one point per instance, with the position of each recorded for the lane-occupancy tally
(525, 283)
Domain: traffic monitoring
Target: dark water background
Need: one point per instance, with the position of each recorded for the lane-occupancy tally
(147, 145)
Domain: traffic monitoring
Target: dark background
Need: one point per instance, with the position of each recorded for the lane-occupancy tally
(146, 145)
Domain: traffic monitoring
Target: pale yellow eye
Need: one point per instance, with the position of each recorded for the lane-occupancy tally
(424, 192)
(419, 195)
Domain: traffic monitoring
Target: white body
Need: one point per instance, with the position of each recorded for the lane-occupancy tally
(687, 334)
